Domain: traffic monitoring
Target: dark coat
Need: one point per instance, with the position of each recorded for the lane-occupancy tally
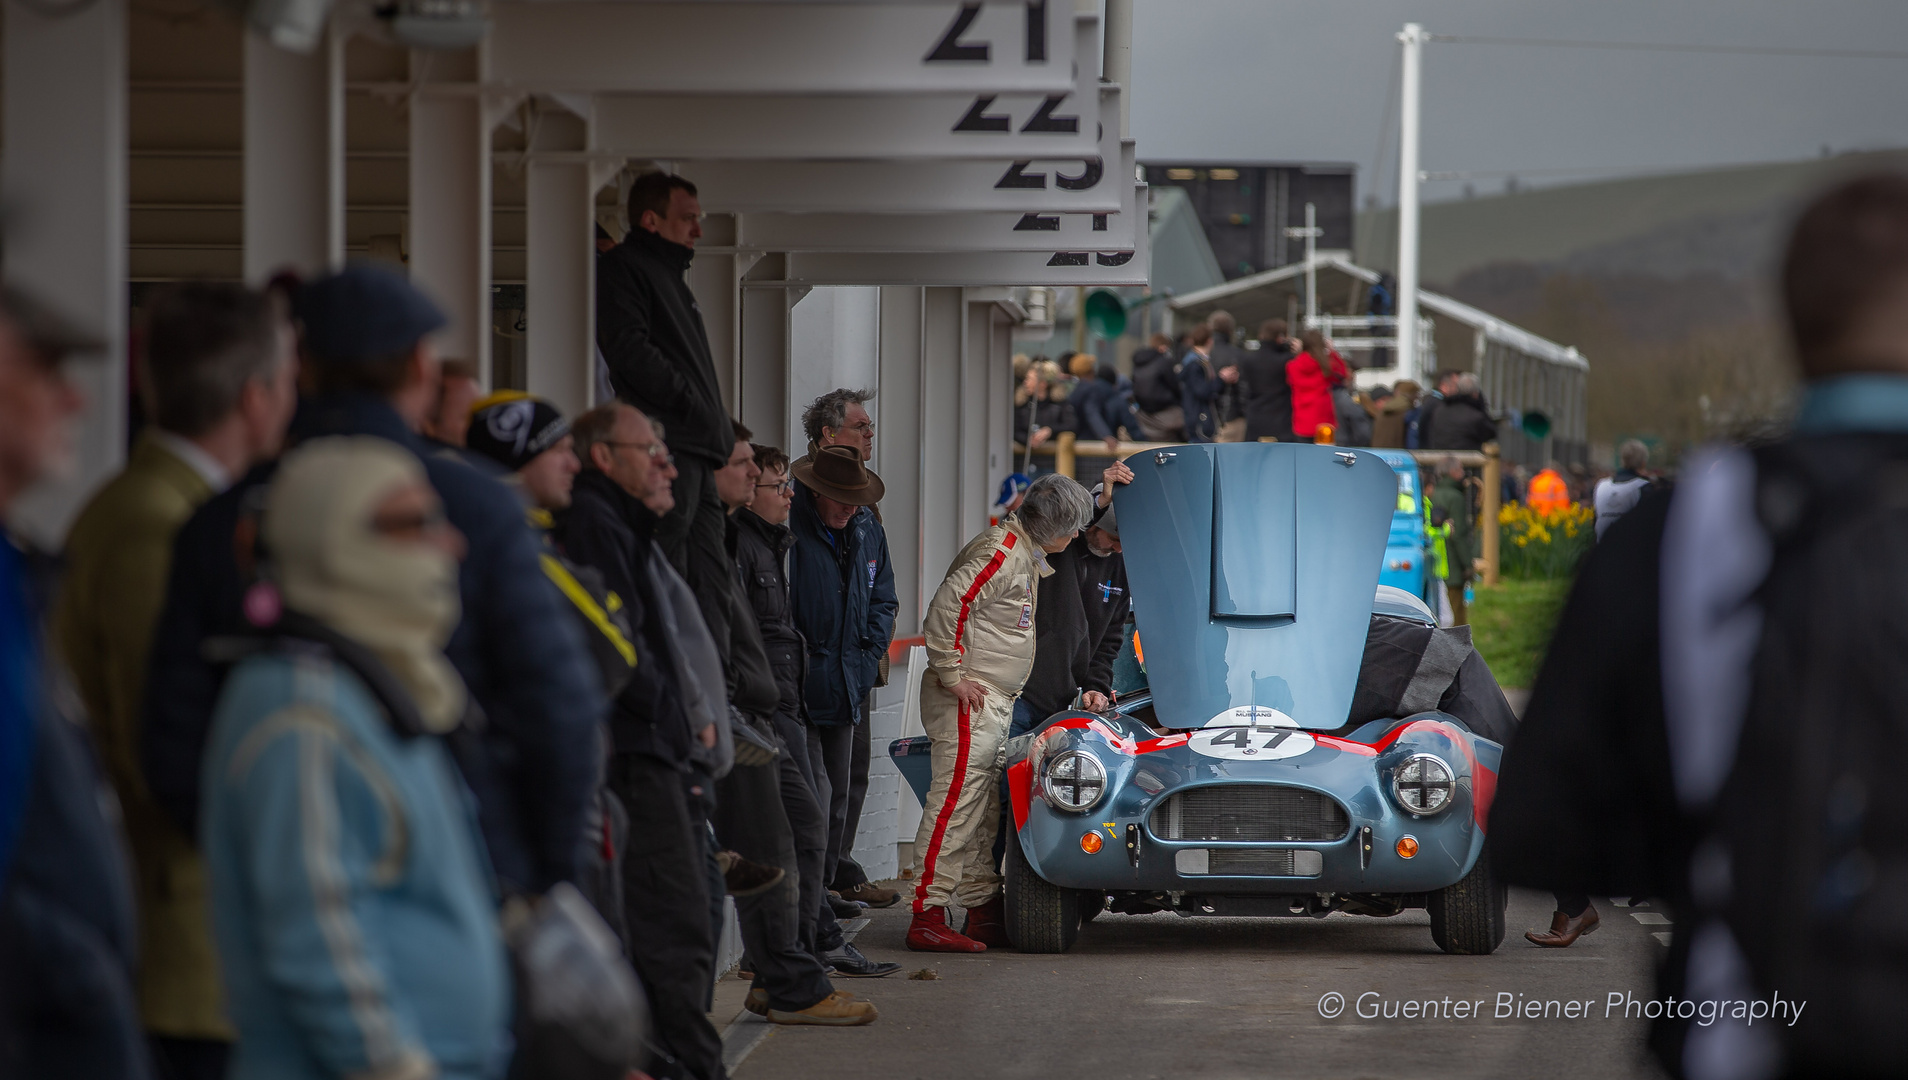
(1268, 395)
(1155, 379)
(1199, 386)
(67, 928)
(1460, 422)
(533, 766)
(761, 553)
(1078, 622)
(843, 590)
(1037, 413)
(1108, 392)
(1229, 403)
(607, 529)
(651, 334)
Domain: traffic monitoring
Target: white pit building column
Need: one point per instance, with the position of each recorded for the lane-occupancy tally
(294, 158)
(560, 276)
(63, 179)
(450, 202)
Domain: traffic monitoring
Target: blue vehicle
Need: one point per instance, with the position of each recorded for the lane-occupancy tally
(1234, 784)
(1406, 564)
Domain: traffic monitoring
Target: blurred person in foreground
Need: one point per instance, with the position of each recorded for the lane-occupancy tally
(840, 418)
(980, 629)
(374, 370)
(1711, 725)
(1618, 494)
(67, 930)
(668, 727)
(219, 374)
(448, 422)
(350, 898)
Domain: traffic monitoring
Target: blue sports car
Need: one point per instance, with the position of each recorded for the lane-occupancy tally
(1310, 742)
(1406, 560)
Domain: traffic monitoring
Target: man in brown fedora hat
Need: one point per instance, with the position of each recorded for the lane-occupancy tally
(842, 590)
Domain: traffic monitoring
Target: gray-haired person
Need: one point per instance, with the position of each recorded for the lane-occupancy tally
(980, 643)
(1618, 495)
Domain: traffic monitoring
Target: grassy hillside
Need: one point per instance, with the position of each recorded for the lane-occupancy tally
(1652, 224)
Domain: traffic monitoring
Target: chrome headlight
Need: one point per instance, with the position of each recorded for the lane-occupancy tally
(1423, 784)
(1074, 781)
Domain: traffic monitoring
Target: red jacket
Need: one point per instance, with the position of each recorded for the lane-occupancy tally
(1312, 393)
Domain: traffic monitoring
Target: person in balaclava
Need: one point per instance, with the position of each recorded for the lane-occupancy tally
(350, 900)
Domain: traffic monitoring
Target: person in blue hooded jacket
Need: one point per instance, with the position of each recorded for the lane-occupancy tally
(351, 901)
(841, 585)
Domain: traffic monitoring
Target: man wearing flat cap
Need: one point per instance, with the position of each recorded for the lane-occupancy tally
(842, 588)
(533, 765)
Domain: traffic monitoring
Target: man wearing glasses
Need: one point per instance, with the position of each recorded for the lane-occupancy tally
(652, 338)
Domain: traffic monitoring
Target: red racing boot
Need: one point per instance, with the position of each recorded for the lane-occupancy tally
(930, 933)
(987, 924)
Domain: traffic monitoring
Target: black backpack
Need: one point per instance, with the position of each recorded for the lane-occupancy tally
(1156, 382)
(1812, 816)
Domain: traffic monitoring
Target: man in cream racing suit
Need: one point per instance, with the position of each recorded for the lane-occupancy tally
(980, 642)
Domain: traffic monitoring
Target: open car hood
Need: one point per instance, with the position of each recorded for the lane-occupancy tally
(1253, 567)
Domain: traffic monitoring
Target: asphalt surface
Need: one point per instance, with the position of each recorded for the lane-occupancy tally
(1165, 996)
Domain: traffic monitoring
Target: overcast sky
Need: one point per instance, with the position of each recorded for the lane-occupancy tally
(1306, 80)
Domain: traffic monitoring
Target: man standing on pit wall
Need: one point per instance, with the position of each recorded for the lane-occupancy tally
(980, 643)
(650, 332)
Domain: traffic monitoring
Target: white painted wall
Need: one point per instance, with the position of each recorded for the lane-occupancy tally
(834, 336)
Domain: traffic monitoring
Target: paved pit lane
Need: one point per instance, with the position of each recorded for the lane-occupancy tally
(1164, 996)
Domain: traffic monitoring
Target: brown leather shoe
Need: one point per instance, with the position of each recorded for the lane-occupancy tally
(839, 1009)
(872, 895)
(757, 1001)
(1564, 929)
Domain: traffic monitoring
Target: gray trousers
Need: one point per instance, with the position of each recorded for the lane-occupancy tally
(805, 798)
(751, 820)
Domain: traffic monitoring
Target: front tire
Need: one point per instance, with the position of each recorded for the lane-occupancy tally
(1041, 918)
(1467, 918)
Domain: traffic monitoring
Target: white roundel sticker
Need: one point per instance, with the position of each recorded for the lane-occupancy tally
(1251, 743)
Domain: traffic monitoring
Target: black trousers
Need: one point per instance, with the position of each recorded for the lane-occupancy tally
(176, 1058)
(692, 537)
(838, 759)
(1572, 904)
(751, 821)
(847, 873)
(806, 803)
(666, 898)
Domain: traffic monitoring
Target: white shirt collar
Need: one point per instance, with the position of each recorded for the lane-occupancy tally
(196, 459)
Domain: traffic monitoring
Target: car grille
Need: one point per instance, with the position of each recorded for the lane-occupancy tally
(1250, 812)
(1272, 863)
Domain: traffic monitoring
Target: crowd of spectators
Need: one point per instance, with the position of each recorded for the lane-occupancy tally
(1204, 386)
(388, 678)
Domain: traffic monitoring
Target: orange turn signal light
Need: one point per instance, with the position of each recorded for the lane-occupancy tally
(1090, 843)
(1407, 846)
(1326, 435)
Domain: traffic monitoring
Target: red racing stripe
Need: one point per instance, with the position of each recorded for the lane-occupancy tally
(980, 579)
(964, 740)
